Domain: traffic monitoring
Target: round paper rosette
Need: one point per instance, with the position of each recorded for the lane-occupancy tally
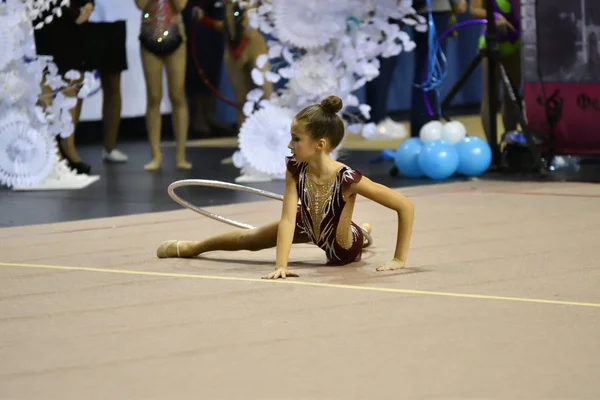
(311, 23)
(315, 76)
(264, 138)
(13, 86)
(9, 38)
(27, 154)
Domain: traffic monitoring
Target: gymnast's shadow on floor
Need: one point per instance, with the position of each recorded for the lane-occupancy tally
(359, 272)
(364, 271)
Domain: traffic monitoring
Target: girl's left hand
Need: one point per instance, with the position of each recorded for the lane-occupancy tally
(391, 265)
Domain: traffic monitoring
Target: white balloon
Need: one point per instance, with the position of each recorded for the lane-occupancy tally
(453, 132)
(431, 131)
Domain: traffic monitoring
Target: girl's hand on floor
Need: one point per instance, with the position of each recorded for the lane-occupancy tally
(391, 265)
(280, 273)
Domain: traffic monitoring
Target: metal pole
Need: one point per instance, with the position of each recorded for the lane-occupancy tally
(584, 38)
(493, 59)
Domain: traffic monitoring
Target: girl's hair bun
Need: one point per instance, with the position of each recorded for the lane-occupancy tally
(331, 104)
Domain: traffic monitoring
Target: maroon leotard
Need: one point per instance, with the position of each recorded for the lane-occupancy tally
(336, 254)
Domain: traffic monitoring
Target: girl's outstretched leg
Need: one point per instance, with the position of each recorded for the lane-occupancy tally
(255, 239)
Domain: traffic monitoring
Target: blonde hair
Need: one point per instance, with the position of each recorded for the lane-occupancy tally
(322, 122)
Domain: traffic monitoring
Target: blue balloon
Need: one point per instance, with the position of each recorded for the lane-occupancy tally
(474, 155)
(438, 159)
(407, 158)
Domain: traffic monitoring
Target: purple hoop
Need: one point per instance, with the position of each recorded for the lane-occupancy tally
(440, 39)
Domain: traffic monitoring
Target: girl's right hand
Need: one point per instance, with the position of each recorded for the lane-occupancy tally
(84, 13)
(281, 273)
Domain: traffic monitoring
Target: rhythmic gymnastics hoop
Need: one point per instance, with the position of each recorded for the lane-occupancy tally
(231, 186)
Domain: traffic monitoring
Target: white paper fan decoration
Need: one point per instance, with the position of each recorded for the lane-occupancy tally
(264, 137)
(8, 46)
(13, 86)
(315, 76)
(27, 155)
(35, 9)
(8, 38)
(311, 23)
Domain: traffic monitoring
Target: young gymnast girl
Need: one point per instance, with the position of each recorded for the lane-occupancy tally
(327, 192)
(162, 37)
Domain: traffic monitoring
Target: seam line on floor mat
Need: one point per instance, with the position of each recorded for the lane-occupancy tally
(301, 283)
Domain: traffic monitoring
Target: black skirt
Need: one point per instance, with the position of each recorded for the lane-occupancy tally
(108, 46)
(91, 46)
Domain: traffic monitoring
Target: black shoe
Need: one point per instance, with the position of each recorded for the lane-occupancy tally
(80, 166)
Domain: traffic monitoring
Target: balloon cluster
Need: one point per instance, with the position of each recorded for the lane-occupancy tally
(441, 150)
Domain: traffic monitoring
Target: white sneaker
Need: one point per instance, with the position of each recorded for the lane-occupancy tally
(61, 178)
(115, 156)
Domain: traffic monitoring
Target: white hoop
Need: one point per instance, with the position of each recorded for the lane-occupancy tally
(231, 186)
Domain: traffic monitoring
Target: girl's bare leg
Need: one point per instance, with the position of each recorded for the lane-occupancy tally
(175, 64)
(199, 108)
(244, 239)
(152, 66)
(240, 80)
(68, 143)
(111, 108)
